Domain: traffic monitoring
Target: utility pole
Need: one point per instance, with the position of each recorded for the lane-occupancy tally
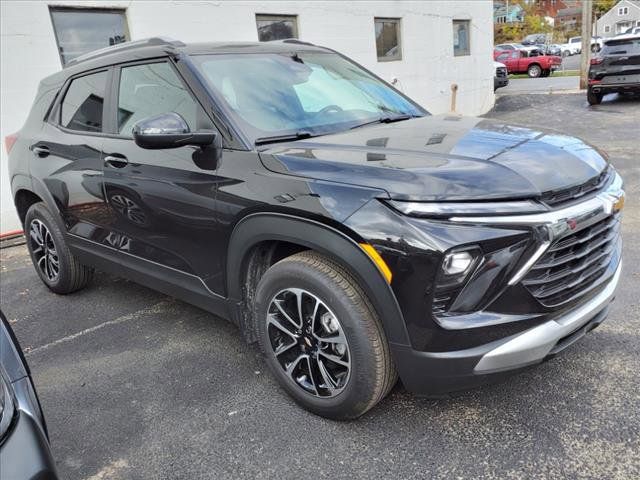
(587, 9)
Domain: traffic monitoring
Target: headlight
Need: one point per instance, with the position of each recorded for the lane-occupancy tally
(449, 209)
(7, 406)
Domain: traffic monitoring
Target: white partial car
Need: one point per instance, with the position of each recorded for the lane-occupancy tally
(501, 78)
(572, 47)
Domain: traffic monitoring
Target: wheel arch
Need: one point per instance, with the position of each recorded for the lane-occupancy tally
(285, 234)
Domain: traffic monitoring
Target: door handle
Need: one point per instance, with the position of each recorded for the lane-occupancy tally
(40, 150)
(115, 162)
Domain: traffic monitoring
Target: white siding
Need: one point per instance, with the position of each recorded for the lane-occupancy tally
(425, 73)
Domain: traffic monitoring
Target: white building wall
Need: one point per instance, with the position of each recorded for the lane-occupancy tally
(425, 73)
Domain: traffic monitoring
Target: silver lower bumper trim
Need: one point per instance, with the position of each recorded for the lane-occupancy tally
(534, 345)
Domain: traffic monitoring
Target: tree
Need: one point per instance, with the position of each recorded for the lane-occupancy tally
(600, 7)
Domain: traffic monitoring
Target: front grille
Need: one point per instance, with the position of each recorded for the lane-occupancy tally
(573, 193)
(574, 264)
(501, 72)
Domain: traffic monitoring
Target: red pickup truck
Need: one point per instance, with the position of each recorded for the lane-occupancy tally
(531, 62)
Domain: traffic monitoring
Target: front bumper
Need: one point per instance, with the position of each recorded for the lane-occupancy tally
(428, 373)
(499, 82)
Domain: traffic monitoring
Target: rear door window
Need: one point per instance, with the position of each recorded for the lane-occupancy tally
(83, 103)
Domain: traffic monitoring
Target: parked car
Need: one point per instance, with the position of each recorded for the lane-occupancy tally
(534, 39)
(24, 442)
(533, 62)
(572, 47)
(616, 68)
(508, 46)
(352, 235)
(553, 49)
(501, 79)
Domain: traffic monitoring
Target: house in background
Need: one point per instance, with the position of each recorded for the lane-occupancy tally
(623, 16)
(421, 47)
(503, 12)
(569, 18)
(550, 8)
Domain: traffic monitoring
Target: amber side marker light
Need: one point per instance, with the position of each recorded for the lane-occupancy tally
(377, 259)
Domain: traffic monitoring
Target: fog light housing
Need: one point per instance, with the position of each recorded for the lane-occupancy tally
(457, 263)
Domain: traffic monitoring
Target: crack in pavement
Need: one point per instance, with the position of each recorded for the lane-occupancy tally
(153, 309)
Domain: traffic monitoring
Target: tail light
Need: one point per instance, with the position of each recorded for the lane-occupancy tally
(9, 141)
(597, 60)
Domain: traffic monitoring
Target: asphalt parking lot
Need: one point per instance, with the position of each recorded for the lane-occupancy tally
(137, 385)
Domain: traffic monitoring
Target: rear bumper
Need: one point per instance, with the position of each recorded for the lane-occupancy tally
(431, 373)
(614, 87)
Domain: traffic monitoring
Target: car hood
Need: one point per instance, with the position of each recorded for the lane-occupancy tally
(442, 157)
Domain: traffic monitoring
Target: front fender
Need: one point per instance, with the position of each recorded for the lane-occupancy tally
(344, 248)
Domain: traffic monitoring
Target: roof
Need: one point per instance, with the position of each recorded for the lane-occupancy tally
(161, 46)
(564, 12)
(628, 36)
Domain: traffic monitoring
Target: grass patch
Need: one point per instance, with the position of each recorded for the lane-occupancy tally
(557, 73)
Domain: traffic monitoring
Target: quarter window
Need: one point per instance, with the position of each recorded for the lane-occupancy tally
(388, 39)
(82, 30)
(153, 89)
(461, 40)
(83, 103)
(276, 27)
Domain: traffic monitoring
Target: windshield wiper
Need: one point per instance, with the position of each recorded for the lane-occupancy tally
(385, 119)
(284, 138)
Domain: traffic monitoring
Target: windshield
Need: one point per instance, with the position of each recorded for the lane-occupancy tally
(272, 94)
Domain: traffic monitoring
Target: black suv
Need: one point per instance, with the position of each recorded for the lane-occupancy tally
(615, 69)
(351, 234)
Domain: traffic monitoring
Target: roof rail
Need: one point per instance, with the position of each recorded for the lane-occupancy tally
(120, 47)
(294, 40)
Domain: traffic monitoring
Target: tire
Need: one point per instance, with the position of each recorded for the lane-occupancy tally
(371, 373)
(46, 245)
(534, 71)
(594, 98)
(566, 53)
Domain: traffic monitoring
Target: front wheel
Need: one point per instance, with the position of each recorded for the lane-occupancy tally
(321, 337)
(534, 71)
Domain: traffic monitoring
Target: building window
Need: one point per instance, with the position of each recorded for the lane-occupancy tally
(388, 46)
(276, 27)
(83, 103)
(607, 28)
(623, 11)
(461, 41)
(82, 30)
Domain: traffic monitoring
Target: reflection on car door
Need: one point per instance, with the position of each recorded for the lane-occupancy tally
(67, 154)
(162, 203)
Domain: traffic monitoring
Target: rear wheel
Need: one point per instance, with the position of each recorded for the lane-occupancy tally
(54, 263)
(594, 98)
(321, 338)
(534, 71)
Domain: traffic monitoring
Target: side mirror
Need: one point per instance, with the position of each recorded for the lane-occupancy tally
(169, 130)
